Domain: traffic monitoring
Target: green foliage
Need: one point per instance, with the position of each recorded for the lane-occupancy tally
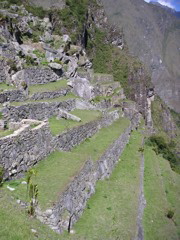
(44, 63)
(57, 61)
(10, 2)
(39, 53)
(161, 187)
(160, 146)
(24, 84)
(176, 117)
(170, 213)
(72, 17)
(36, 11)
(111, 60)
(29, 60)
(12, 64)
(1, 175)
(32, 191)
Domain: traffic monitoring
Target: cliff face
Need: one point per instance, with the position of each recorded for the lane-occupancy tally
(156, 34)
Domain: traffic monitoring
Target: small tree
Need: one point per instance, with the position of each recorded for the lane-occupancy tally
(32, 191)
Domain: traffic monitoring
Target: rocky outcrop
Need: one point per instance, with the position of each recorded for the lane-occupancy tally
(81, 87)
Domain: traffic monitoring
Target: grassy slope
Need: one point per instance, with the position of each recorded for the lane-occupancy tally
(161, 193)
(61, 125)
(15, 224)
(109, 215)
(54, 86)
(58, 169)
(112, 210)
(4, 86)
(4, 133)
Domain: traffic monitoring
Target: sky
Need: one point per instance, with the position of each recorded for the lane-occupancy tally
(175, 4)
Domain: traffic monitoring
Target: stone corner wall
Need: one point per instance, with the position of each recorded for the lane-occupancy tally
(25, 147)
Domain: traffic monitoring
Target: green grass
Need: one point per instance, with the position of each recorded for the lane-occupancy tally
(58, 169)
(59, 99)
(17, 225)
(4, 86)
(111, 212)
(4, 133)
(50, 87)
(162, 194)
(58, 126)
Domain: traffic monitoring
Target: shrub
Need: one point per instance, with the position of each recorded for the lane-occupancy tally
(160, 146)
(24, 85)
(170, 214)
(29, 60)
(39, 54)
(32, 190)
(36, 11)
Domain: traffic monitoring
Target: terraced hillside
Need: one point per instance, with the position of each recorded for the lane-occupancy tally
(73, 158)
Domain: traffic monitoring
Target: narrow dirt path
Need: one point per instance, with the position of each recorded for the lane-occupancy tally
(142, 201)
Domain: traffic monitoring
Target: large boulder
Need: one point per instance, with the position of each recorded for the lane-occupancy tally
(82, 87)
(66, 115)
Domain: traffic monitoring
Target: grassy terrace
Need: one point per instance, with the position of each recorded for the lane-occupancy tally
(58, 169)
(17, 225)
(111, 212)
(162, 194)
(50, 87)
(60, 99)
(4, 86)
(61, 125)
(4, 133)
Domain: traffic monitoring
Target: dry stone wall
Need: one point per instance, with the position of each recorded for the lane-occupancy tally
(48, 95)
(38, 110)
(3, 72)
(25, 147)
(12, 96)
(73, 137)
(73, 201)
(35, 75)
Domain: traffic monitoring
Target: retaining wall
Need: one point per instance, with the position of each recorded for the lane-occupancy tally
(25, 147)
(37, 110)
(73, 200)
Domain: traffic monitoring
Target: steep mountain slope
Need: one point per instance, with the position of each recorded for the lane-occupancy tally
(156, 35)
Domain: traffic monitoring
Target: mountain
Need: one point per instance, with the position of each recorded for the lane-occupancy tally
(156, 35)
(170, 10)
